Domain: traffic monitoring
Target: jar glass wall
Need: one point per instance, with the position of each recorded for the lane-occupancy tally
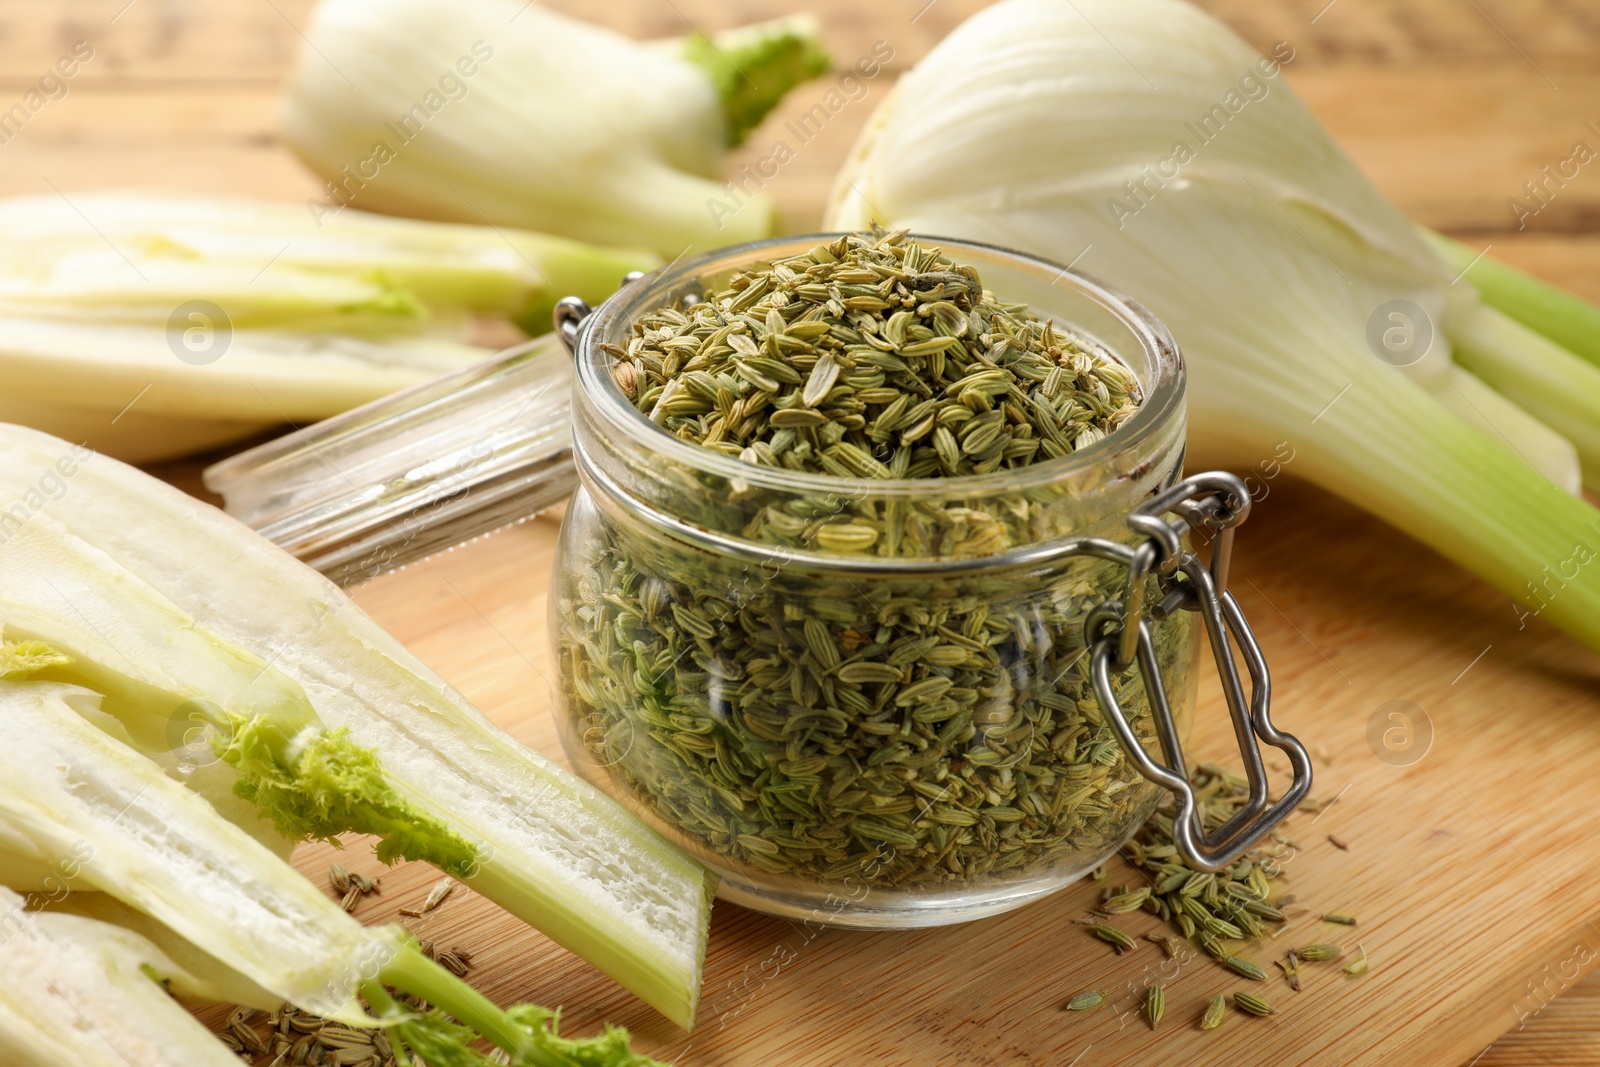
(864, 702)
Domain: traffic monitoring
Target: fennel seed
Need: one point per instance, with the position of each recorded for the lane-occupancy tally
(1240, 965)
(456, 960)
(338, 1037)
(1357, 966)
(1155, 1005)
(1253, 1004)
(1086, 1001)
(1167, 945)
(1118, 940)
(1121, 903)
(1215, 1012)
(1338, 843)
(1320, 953)
(871, 357)
(248, 1039)
(1342, 920)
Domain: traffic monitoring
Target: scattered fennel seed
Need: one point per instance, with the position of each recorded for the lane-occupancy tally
(1320, 953)
(456, 960)
(1358, 966)
(1215, 1012)
(1087, 1000)
(1121, 903)
(1341, 920)
(1155, 1005)
(1252, 1004)
(1168, 945)
(1232, 905)
(1338, 843)
(1240, 965)
(1118, 940)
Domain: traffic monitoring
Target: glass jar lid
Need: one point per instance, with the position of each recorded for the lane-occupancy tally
(415, 473)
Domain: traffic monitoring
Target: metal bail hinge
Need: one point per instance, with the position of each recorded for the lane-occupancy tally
(1118, 633)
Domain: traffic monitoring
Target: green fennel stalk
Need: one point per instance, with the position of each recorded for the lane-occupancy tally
(1567, 320)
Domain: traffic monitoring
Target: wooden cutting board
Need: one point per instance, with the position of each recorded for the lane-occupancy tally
(1471, 869)
(1468, 867)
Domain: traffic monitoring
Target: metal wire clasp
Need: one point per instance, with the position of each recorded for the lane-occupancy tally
(1118, 634)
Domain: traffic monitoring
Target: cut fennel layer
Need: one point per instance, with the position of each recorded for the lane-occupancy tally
(162, 850)
(200, 978)
(552, 850)
(70, 613)
(73, 791)
(88, 993)
(134, 256)
(187, 322)
(132, 398)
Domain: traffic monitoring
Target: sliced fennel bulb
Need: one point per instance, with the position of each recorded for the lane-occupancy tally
(163, 678)
(1261, 246)
(550, 123)
(199, 979)
(64, 969)
(132, 257)
(71, 789)
(549, 848)
(130, 397)
(187, 322)
(162, 850)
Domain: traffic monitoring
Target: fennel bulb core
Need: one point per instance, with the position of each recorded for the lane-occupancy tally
(1142, 141)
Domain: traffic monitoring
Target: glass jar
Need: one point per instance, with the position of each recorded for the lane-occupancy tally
(863, 702)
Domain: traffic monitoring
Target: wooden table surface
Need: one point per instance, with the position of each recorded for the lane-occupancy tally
(1450, 106)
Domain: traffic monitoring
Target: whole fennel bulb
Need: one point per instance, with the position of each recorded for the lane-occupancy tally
(537, 120)
(1144, 141)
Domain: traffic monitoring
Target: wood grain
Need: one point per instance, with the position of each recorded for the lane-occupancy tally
(1439, 848)
(1469, 868)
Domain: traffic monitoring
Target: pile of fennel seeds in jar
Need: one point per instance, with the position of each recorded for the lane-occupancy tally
(822, 726)
(871, 357)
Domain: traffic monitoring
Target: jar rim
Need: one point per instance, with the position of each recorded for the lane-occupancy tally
(1163, 396)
